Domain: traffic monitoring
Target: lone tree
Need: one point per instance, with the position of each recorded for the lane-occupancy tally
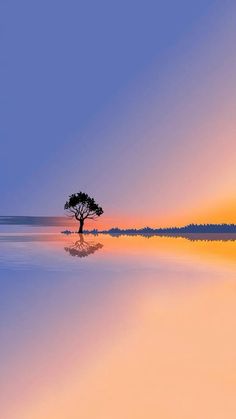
(81, 207)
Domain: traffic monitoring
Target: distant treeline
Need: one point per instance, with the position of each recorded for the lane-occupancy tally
(189, 229)
(50, 221)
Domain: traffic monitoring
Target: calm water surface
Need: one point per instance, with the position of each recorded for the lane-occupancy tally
(117, 328)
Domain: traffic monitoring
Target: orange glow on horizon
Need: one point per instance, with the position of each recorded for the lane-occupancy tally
(219, 213)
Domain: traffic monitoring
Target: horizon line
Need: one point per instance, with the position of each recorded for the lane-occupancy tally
(57, 221)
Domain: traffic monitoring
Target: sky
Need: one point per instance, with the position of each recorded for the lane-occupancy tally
(132, 102)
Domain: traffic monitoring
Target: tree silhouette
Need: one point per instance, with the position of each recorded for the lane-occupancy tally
(81, 207)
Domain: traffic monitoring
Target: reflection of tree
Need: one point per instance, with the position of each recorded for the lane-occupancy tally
(82, 248)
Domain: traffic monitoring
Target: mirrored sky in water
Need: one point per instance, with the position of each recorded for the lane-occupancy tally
(107, 327)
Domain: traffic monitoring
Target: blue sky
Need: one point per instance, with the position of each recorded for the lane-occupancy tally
(71, 67)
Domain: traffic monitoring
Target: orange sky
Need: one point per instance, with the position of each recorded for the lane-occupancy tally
(220, 212)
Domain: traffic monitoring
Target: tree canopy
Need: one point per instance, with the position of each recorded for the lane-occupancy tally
(81, 207)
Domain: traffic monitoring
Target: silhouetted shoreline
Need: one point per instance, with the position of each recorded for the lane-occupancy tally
(193, 232)
(208, 232)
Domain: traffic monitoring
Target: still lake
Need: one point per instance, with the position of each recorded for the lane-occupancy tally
(124, 327)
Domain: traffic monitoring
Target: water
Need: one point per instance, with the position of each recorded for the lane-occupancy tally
(117, 328)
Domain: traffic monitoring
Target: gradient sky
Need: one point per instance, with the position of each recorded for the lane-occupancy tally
(132, 101)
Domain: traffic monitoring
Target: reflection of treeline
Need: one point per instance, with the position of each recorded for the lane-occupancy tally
(207, 237)
(193, 229)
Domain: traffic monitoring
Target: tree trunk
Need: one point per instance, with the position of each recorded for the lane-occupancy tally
(81, 226)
